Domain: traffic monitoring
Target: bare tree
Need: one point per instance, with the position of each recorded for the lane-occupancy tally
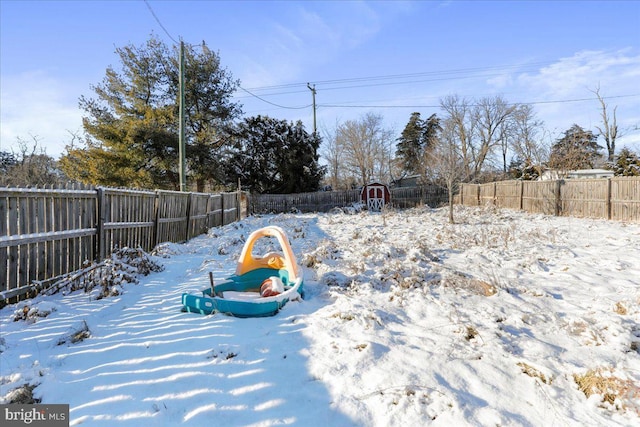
(331, 151)
(505, 131)
(491, 116)
(365, 146)
(609, 128)
(31, 166)
(462, 129)
(525, 138)
(447, 160)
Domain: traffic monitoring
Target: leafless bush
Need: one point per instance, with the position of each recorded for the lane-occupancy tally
(122, 267)
(616, 393)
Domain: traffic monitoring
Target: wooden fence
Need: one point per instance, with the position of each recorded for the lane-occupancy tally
(46, 233)
(616, 198)
(409, 197)
(324, 201)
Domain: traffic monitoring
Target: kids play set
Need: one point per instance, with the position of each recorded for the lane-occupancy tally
(261, 286)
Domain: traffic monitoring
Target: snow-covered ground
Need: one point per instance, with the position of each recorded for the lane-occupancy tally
(500, 320)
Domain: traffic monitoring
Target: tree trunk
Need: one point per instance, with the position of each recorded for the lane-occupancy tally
(450, 188)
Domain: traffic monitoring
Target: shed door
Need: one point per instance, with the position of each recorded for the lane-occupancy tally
(375, 198)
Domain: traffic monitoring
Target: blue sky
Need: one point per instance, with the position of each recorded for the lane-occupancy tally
(390, 58)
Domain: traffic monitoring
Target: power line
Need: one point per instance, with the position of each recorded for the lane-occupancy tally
(274, 104)
(158, 21)
(407, 75)
(560, 101)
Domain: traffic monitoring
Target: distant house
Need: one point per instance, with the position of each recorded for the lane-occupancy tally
(407, 181)
(590, 173)
(576, 174)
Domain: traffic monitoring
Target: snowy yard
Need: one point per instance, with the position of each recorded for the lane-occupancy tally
(504, 319)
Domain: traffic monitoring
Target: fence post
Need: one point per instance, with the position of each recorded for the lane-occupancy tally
(238, 207)
(608, 198)
(101, 249)
(156, 221)
(208, 211)
(495, 194)
(521, 194)
(222, 220)
(187, 232)
(558, 207)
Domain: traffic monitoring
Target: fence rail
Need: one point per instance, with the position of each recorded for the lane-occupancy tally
(616, 198)
(46, 233)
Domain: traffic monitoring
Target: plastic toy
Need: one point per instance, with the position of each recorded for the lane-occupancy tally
(261, 285)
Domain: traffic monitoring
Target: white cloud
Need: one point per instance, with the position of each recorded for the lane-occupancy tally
(36, 105)
(565, 90)
(586, 70)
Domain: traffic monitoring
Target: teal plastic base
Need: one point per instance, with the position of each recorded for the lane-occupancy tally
(248, 282)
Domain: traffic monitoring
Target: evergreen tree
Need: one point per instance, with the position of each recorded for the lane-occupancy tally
(7, 160)
(210, 112)
(131, 126)
(417, 140)
(627, 163)
(430, 138)
(524, 170)
(410, 143)
(274, 156)
(577, 149)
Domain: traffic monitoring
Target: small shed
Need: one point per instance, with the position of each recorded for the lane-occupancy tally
(375, 195)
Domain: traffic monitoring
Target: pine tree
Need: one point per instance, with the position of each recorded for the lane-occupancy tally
(430, 138)
(410, 144)
(7, 160)
(417, 140)
(627, 163)
(274, 156)
(577, 149)
(210, 112)
(131, 126)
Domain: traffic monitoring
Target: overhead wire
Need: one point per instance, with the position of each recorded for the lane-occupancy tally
(274, 104)
(403, 76)
(158, 21)
(558, 101)
(380, 81)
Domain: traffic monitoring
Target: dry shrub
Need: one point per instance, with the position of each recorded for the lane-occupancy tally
(123, 266)
(77, 335)
(483, 288)
(343, 316)
(620, 309)
(618, 393)
(533, 372)
(22, 395)
(470, 333)
(31, 314)
(460, 281)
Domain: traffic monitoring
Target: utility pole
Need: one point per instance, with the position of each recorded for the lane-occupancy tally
(181, 143)
(313, 94)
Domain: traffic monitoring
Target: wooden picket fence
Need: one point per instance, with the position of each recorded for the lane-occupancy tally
(616, 198)
(47, 233)
(323, 201)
